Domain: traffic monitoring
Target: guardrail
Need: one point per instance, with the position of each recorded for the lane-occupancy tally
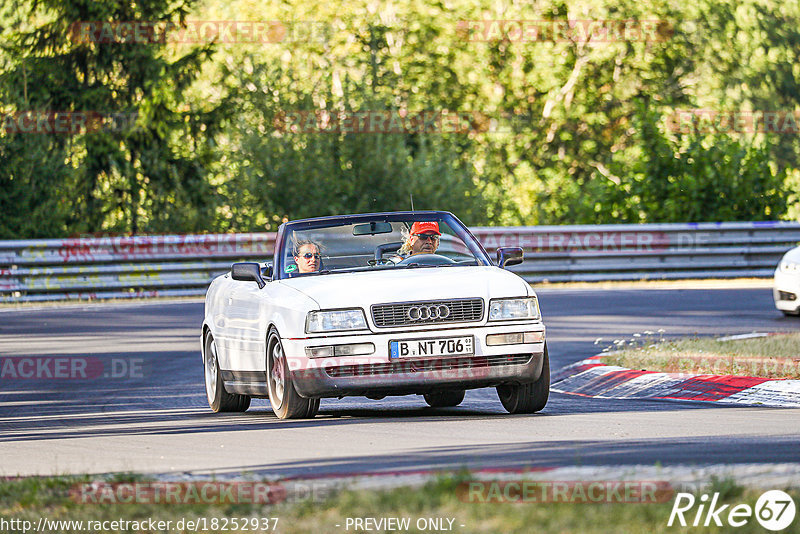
(178, 265)
(646, 251)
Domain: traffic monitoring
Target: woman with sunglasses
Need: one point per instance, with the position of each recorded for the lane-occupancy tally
(307, 257)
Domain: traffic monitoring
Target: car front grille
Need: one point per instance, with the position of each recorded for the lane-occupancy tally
(418, 366)
(407, 313)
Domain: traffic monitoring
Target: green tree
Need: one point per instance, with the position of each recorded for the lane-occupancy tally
(145, 174)
(705, 177)
(585, 140)
(277, 172)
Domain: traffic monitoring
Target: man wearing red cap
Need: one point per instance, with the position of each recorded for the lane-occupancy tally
(423, 238)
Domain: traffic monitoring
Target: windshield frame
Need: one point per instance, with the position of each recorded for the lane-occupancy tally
(287, 228)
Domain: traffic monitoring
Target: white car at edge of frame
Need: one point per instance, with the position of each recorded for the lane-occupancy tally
(786, 289)
(372, 320)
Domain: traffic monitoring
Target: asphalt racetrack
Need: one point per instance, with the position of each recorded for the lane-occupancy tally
(146, 410)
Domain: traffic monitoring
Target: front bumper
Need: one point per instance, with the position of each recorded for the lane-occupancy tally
(380, 374)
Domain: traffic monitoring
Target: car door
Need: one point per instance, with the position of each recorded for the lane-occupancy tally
(245, 330)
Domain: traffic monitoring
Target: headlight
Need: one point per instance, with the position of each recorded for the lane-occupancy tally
(790, 267)
(506, 309)
(335, 321)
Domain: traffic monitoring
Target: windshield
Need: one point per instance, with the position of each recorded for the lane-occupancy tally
(380, 242)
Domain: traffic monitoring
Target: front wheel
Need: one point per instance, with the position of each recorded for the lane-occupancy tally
(444, 399)
(286, 403)
(527, 398)
(219, 399)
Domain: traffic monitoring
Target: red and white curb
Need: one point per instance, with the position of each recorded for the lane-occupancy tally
(592, 378)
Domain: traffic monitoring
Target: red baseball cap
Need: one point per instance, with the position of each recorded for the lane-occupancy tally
(425, 227)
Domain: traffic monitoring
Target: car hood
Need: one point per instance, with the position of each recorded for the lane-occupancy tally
(346, 290)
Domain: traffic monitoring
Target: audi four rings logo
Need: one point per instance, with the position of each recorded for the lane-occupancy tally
(424, 313)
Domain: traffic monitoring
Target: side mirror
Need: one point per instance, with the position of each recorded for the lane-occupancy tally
(248, 272)
(508, 256)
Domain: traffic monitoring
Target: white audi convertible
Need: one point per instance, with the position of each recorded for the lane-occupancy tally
(405, 303)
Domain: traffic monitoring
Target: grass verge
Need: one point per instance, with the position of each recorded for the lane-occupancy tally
(442, 499)
(773, 356)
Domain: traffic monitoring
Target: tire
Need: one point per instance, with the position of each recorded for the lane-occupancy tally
(285, 401)
(219, 399)
(791, 313)
(527, 398)
(445, 399)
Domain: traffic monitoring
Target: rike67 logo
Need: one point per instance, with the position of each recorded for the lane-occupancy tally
(774, 510)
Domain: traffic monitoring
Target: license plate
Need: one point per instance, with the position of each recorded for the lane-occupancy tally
(417, 348)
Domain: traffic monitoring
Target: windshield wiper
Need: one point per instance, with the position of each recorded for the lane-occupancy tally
(422, 265)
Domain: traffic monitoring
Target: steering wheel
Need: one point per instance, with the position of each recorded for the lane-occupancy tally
(426, 259)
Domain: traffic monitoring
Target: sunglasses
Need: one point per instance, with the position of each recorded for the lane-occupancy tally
(427, 237)
(309, 255)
